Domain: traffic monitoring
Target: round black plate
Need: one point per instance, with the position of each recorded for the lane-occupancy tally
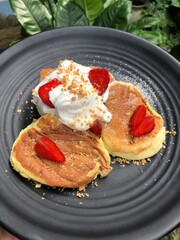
(135, 202)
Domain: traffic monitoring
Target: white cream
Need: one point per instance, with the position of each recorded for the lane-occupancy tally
(76, 101)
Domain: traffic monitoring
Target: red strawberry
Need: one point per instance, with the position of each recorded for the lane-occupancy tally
(145, 127)
(99, 78)
(137, 117)
(45, 89)
(96, 128)
(47, 149)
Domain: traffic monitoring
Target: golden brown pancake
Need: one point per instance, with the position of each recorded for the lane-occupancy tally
(85, 155)
(123, 101)
(46, 71)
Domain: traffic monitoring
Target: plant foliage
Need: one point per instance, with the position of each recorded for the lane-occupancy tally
(159, 22)
(33, 15)
(69, 14)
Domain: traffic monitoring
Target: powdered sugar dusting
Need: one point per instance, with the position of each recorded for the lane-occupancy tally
(126, 73)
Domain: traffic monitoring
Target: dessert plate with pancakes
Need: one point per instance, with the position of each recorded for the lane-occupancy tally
(120, 201)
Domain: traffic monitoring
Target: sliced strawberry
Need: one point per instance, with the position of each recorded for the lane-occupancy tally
(137, 117)
(47, 149)
(96, 128)
(99, 78)
(45, 89)
(145, 127)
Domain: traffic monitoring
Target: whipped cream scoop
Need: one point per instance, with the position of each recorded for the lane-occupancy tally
(76, 102)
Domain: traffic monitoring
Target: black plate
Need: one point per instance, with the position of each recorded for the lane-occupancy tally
(135, 202)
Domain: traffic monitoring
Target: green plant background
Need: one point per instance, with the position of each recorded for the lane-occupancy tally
(159, 21)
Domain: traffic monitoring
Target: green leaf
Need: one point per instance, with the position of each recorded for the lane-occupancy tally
(152, 36)
(107, 3)
(175, 40)
(142, 23)
(92, 8)
(165, 19)
(116, 13)
(175, 3)
(70, 15)
(50, 5)
(32, 15)
(163, 4)
(61, 3)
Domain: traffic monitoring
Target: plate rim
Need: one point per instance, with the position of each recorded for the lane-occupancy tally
(6, 52)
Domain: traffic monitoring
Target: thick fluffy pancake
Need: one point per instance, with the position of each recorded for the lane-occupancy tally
(85, 155)
(46, 71)
(123, 100)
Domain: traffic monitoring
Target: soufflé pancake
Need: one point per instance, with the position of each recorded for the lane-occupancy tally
(85, 155)
(86, 116)
(123, 100)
